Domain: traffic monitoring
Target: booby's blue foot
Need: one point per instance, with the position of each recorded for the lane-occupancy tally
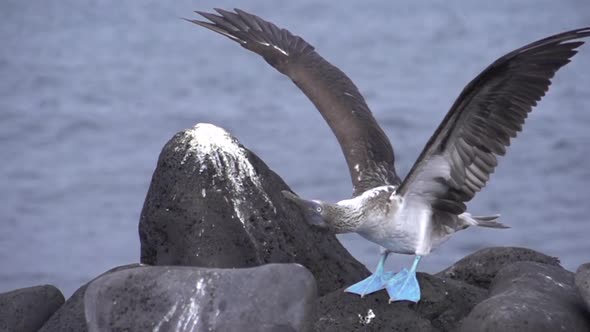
(404, 285)
(375, 282)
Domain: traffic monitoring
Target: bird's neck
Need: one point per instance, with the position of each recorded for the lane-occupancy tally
(345, 216)
(373, 205)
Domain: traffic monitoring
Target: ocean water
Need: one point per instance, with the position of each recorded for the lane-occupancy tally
(90, 91)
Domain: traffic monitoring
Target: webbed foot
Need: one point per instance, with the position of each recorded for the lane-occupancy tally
(375, 282)
(403, 287)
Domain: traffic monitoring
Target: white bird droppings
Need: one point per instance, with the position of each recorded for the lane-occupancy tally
(214, 146)
(368, 318)
(555, 281)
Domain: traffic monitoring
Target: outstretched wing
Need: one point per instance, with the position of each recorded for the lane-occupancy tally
(367, 150)
(459, 158)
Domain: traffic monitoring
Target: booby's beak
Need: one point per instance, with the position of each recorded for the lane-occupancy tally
(311, 209)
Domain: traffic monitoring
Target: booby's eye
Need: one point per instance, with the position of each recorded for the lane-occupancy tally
(318, 209)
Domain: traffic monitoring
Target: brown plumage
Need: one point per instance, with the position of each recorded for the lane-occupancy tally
(367, 149)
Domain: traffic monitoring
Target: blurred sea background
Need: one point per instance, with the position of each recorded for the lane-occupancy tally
(90, 91)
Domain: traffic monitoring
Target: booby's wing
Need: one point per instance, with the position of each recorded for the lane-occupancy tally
(367, 150)
(459, 158)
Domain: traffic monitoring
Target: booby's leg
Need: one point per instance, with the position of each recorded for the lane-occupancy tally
(374, 282)
(404, 285)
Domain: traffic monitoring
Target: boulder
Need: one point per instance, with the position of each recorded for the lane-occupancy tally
(444, 303)
(27, 309)
(480, 268)
(213, 203)
(582, 280)
(273, 297)
(70, 316)
(530, 296)
(216, 208)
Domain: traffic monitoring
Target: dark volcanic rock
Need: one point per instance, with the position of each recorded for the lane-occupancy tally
(582, 279)
(342, 312)
(529, 296)
(444, 303)
(480, 268)
(27, 309)
(273, 297)
(213, 203)
(70, 316)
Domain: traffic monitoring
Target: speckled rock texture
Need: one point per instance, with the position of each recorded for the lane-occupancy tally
(70, 316)
(582, 280)
(481, 267)
(530, 296)
(273, 297)
(27, 309)
(495, 289)
(213, 203)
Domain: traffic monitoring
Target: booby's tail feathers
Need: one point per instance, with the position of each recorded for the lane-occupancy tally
(274, 44)
(482, 221)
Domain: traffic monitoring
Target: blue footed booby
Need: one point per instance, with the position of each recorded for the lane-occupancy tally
(416, 215)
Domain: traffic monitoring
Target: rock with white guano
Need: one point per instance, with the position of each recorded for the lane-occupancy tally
(213, 203)
(182, 298)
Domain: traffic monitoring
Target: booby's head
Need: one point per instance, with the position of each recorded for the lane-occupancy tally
(315, 211)
(325, 215)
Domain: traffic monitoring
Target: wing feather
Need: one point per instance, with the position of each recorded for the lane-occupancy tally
(367, 149)
(488, 113)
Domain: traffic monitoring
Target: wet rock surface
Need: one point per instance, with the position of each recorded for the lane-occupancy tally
(27, 309)
(273, 297)
(530, 296)
(213, 203)
(582, 279)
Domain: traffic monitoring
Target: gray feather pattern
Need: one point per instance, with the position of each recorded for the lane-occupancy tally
(488, 113)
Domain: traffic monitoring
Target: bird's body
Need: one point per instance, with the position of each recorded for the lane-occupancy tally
(383, 217)
(418, 214)
(379, 217)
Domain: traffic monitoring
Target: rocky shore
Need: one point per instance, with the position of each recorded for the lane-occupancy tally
(221, 250)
